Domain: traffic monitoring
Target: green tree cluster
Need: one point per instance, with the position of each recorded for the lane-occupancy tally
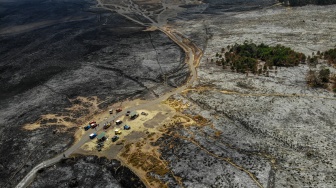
(319, 78)
(330, 56)
(244, 57)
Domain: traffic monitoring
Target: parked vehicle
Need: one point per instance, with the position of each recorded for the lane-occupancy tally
(118, 110)
(111, 111)
(87, 127)
(94, 125)
(117, 131)
(134, 115)
(115, 138)
(106, 126)
(93, 135)
(118, 122)
(128, 113)
(126, 127)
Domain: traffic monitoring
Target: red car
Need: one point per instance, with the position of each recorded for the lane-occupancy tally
(93, 124)
(118, 110)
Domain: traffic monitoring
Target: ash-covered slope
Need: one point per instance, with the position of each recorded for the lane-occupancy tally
(87, 171)
(53, 52)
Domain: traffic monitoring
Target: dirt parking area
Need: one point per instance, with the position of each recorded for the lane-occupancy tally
(140, 127)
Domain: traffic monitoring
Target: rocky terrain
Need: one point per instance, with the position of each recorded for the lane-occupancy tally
(229, 129)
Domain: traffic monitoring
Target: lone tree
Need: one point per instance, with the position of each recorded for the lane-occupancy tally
(330, 56)
(324, 75)
(318, 78)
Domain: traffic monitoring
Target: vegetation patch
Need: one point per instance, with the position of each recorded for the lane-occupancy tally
(250, 57)
(318, 78)
(330, 56)
(322, 77)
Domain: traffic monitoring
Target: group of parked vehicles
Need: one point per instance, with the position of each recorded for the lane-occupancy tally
(117, 110)
(101, 138)
(118, 122)
(91, 125)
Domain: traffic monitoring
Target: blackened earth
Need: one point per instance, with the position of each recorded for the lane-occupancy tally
(85, 52)
(54, 51)
(87, 171)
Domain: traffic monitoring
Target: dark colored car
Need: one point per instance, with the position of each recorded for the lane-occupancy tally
(87, 127)
(115, 138)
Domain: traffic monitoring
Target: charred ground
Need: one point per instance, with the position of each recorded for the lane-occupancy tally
(54, 52)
